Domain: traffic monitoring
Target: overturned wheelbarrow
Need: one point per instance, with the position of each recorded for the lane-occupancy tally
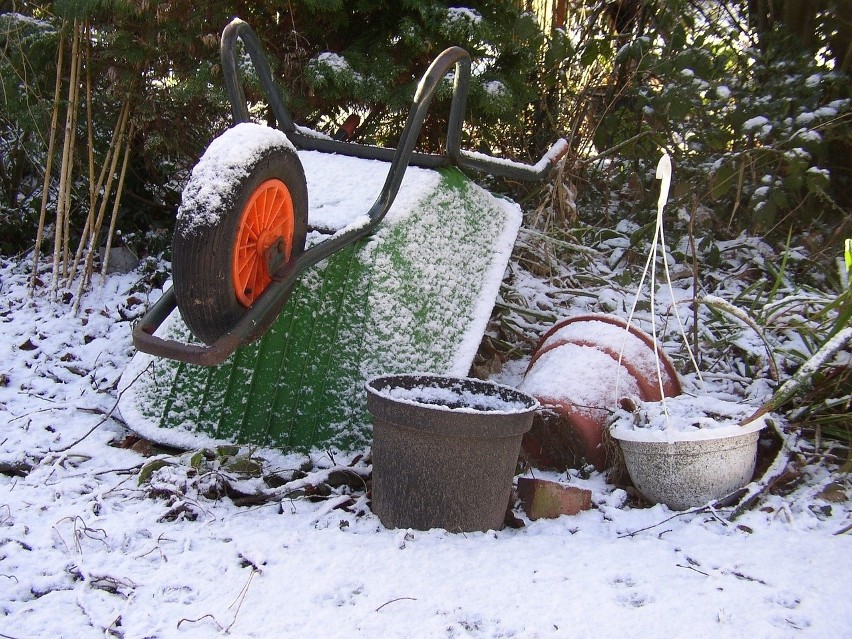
(401, 282)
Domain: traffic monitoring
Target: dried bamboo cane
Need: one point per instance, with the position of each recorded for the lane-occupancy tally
(90, 217)
(116, 203)
(94, 187)
(107, 163)
(95, 231)
(69, 184)
(89, 120)
(48, 169)
(64, 176)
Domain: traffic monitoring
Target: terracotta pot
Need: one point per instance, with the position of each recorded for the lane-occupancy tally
(583, 395)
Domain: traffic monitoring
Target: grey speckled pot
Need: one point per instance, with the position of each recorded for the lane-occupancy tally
(445, 466)
(689, 473)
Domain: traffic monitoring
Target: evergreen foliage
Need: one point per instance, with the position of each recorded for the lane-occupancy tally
(750, 98)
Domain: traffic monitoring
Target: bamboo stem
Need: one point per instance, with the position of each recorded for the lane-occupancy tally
(64, 177)
(77, 61)
(89, 119)
(84, 239)
(93, 189)
(116, 203)
(124, 118)
(48, 169)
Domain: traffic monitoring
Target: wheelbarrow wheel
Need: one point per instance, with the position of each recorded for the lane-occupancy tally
(243, 215)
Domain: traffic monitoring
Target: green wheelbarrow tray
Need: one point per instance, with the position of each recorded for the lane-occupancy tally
(407, 287)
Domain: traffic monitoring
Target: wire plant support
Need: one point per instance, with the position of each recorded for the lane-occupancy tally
(399, 158)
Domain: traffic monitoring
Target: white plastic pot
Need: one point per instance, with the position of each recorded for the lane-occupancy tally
(685, 473)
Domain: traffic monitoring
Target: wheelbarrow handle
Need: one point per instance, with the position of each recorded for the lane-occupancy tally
(145, 340)
(455, 155)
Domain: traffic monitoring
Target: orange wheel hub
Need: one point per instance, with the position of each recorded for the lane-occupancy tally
(266, 227)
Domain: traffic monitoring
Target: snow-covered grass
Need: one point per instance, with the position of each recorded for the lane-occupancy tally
(86, 550)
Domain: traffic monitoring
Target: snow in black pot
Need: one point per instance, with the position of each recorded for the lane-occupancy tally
(445, 450)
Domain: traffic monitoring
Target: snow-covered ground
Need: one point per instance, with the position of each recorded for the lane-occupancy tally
(86, 551)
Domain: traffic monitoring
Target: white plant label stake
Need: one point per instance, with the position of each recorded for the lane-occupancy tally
(664, 174)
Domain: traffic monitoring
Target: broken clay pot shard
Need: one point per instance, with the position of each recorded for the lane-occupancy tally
(544, 499)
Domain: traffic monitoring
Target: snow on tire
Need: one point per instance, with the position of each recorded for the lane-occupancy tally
(246, 196)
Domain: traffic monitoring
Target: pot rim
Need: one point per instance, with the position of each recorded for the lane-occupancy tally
(530, 403)
(664, 436)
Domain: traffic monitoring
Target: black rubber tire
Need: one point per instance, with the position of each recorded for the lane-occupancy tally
(203, 241)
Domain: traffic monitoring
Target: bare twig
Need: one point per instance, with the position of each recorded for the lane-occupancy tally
(691, 511)
(394, 600)
(700, 572)
(108, 415)
(241, 598)
(202, 617)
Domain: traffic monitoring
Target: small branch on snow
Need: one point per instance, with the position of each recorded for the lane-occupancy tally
(108, 414)
(238, 602)
(241, 598)
(700, 572)
(752, 492)
(394, 600)
(220, 626)
(132, 470)
(101, 411)
(40, 410)
(691, 511)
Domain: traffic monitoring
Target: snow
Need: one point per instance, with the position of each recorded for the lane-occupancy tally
(14, 19)
(583, 375)
(755, 123)
(463, 14)
(341, 189)
(334, 61)
(495, 88)
(224, 162)
(550, 156)
(807, 135)
(625, 344)
(808, 117)
(86, 551)
(686, 417)
(458, 399)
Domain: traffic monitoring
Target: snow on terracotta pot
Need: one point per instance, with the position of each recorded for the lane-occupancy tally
(445, 450)
(580, 370)
(636, 348)
(688, 451)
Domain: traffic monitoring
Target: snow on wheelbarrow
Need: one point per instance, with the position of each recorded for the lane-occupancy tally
(294, 283)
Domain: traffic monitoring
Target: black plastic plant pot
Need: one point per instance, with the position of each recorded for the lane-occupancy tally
(445, 450)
